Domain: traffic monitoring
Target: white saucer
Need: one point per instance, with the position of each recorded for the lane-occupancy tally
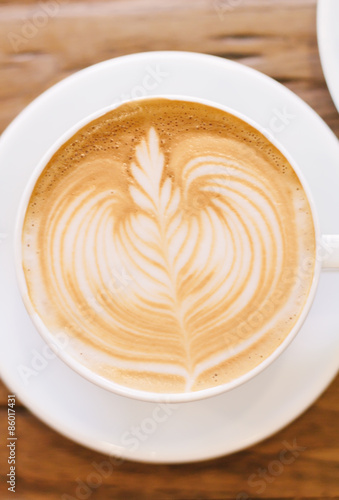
(328, 41)
(191, 431)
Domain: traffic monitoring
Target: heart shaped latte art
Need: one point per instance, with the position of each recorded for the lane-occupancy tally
(178, 274)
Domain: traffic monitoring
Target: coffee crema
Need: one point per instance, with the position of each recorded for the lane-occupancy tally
(172, 243)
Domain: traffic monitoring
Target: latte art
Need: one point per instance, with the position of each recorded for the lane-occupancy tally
(166, 239)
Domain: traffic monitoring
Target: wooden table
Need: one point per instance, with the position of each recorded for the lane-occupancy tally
(277, 37)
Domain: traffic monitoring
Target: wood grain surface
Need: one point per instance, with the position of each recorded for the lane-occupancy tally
(277, 37)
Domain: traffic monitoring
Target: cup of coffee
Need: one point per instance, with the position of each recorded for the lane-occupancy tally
(173, 244)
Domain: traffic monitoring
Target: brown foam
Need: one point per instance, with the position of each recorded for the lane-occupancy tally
(240, 184)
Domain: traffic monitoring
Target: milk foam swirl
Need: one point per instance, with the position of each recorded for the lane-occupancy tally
(174, 272)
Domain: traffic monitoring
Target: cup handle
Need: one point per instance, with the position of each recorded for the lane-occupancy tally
(329, 252)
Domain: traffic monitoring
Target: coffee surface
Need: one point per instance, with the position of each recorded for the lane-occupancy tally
(172, 243)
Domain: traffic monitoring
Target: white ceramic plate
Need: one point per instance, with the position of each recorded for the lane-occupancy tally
(328, 41)
(190, 431)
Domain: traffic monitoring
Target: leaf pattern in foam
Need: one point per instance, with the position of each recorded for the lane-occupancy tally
(163, 240)
(154, 248)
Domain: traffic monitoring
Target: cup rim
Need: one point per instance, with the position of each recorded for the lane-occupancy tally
(82, 369)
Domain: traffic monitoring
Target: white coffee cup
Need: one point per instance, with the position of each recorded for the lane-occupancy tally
(327, 258)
